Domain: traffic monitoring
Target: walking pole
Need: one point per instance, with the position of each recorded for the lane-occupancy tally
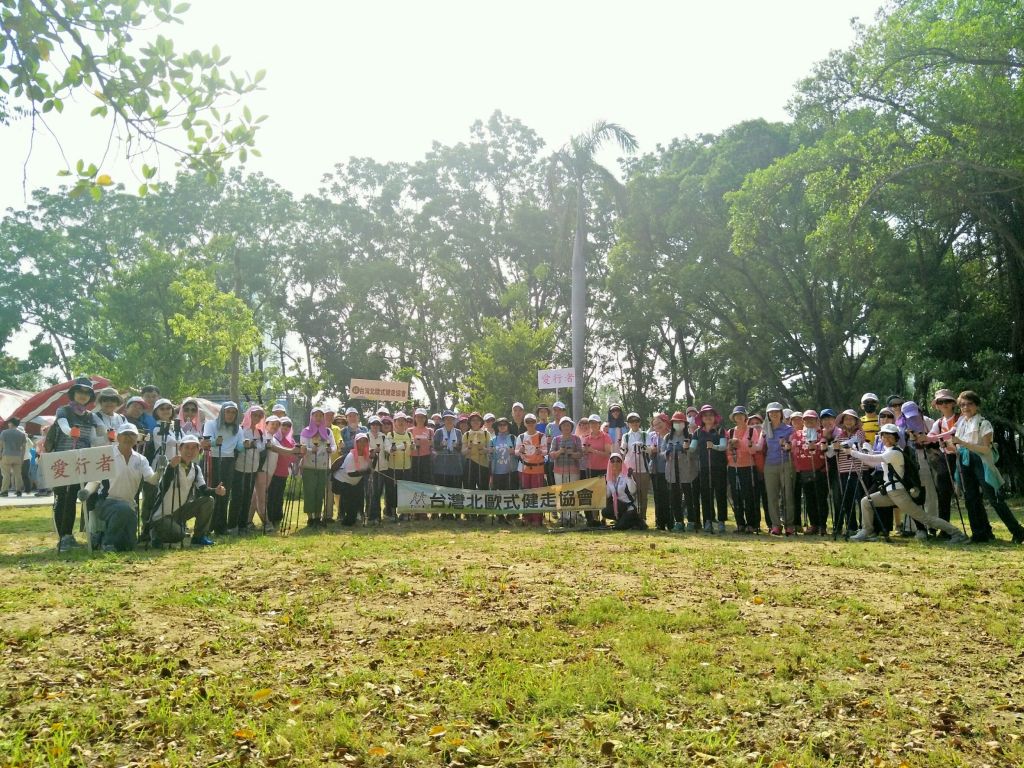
(830, 502)
(956, 487)
(711, 491)
(874, 510)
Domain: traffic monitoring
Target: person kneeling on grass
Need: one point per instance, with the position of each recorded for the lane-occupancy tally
(892, 463)
(620, 500)
(114, 521)
(183, 494)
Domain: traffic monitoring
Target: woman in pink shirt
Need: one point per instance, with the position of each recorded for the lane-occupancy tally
(597, 447)
(744, 444)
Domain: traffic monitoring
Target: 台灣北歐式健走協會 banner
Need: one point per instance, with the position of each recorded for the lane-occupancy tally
(576, 496)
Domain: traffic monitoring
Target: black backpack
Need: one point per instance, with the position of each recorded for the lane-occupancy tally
(911, 478)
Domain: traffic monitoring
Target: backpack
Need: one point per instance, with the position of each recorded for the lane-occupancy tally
(911, 478)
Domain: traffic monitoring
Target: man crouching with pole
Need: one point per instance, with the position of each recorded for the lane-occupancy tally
(114, 521)
(183, 494)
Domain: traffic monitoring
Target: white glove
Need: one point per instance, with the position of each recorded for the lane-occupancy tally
(161, 463)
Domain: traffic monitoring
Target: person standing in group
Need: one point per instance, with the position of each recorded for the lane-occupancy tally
(681, 470)
(944, 464)
(252, 451)
(317, 442)
(756, 421)
(422, 436)
(258, 502)
(108, 420)
(73, 428)
(503, 456)
(809, 466)
(659, 485)
(190, 418)
(374, 486)
(848, 434)
(638, 449)
(744, 441)
(12, 452)
(565, 453)
(617, 426)
(222, 439)
(869, 420)
(597, 447)
(915, 428)
(978, 471)
(402, 448)
(778, 471)
(447, 455)
(476, 473)
(710, 445)
(163, 441)
(283, 446)
(892, 492)
(331, 418)
(532, 449)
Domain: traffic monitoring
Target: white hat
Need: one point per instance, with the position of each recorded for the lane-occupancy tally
(787, 413)
(128, 429)
(162, 401)
(518, 405)
(188, 440)
(420, 412)
(382, 411)
(278, 407)
(488, 417)
(530, 417)
(351, 410)
(276, 419)
(868, 396)
(615, 455)
(595, 417)
(633, 416)
(773, 406)
(890, 429)
(374, 420)
(400, 415)
(565, 420)
(559, 404)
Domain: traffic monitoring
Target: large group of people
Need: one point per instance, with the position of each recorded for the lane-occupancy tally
(857, 474)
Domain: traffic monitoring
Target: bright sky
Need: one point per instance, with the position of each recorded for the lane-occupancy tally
(386, 79)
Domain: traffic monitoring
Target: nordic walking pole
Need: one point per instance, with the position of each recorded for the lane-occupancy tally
(956, 487)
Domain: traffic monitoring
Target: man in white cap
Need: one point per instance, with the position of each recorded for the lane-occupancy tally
(183, 495)
(115, 520)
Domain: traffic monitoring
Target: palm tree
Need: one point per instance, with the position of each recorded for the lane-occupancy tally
(577, 158)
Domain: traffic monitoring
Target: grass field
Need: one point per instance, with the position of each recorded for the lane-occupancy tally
(470, 644)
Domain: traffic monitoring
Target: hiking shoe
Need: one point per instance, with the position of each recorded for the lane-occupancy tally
(691, 527)
(921, 535)
(862, 535)
(66, 543)
(202, 541)
(270, 528)
(958, 538)
(720, 527)
(775, 531)
(707, 527)
(678, 528)
(790, 530)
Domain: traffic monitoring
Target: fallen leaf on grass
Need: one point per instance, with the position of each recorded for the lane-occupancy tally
(262, 694)
(758, 600)
(245, 734)
(377, 752)
(437, 732)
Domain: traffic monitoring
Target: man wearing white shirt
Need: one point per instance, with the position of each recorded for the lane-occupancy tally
(114, 521)
(184, 495)
(638, 449)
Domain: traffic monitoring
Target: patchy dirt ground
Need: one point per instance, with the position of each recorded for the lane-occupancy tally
(470, 644)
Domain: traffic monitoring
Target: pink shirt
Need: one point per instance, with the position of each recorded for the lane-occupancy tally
(598, 443)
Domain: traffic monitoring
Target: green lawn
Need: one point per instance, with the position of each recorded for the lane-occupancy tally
(469, 644)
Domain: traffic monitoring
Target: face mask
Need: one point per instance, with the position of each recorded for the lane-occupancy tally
(811, 434)
(678, 426)
(869, 407)
(691, 420)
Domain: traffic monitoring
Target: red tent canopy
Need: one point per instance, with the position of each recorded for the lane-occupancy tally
(47, 402)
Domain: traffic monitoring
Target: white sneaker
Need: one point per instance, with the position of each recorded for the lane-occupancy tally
(958, 538)
(862, 536)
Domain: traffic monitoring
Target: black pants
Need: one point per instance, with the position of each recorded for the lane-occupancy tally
(242, 485)
(746, 505)
(275, 498)
(944, 483)
(351, 500)
(815, 493)
(65, 508)
(503, 482)
(975, 489)
(627, 518)
(662, 502)
(475, 477)
(713, 489)
(848, 506)
(223, 471)
(684, 497)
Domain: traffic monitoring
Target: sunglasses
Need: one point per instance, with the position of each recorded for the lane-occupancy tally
(946, 402)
